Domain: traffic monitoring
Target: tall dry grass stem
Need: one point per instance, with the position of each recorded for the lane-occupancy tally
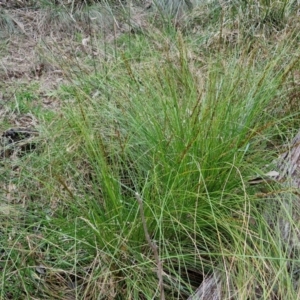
(152, 246)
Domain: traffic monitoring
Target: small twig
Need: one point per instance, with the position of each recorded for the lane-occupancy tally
(153, 246)
(63, 183)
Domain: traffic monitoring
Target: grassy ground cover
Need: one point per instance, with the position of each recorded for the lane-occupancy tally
(151, 122)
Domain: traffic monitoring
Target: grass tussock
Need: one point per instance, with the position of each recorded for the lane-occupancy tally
(138, 185)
